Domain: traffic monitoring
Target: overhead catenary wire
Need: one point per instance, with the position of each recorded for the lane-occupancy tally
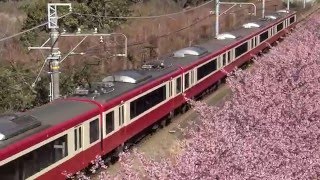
(22, 32)
(110, 17)
(133, 17)
(93, 49)
(178, 30)
(28, 30)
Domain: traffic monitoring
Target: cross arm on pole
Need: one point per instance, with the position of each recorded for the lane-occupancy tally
(239, 3)
(229, 3)
(125, 54)
(70, 52)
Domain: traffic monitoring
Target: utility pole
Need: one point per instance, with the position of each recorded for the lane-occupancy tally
(54, 56)
(217, 17)
(263, 7)
(54, 59)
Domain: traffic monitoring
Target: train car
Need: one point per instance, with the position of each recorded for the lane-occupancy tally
(67, 134)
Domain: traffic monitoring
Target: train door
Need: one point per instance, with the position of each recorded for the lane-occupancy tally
(78, 142)
(192, 77)
(253, 42)
(121, 115)
(231, 54)
(178, 85)
(121, 121)
(186, 81)
(170, 96)
(170, 91)
(224, 59)
(109, 123)
(219, 64)
(91, 138)
(286, 23)
(274, 30)
(270, 33)
(256, 41)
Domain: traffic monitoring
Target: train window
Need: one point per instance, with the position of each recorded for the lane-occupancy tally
(292, 19)
(109, 122)
(147, 101)
(178, 85)
(52, 152)
(8, 171)
(186, 81)
(206, 69)
(34, 161)
(241, 49)
(279, 27)
(94, 130)
(60, 148)
(263, 36)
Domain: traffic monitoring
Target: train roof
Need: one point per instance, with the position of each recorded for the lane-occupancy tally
(182, 58)
(17, 127)
(122, 82)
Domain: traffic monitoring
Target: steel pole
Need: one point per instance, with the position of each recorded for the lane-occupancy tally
(263, 7)
(288, 5)
(217, 17)
(54, 64)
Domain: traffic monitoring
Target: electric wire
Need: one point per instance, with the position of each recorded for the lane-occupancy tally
(110, 17)
(28, 30)
(93, 50)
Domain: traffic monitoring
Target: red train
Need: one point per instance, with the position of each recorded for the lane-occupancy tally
(67, 134)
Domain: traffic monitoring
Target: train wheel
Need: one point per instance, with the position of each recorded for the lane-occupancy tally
(162, 123)
(169, 117)
(154, 128)
(184, 108)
